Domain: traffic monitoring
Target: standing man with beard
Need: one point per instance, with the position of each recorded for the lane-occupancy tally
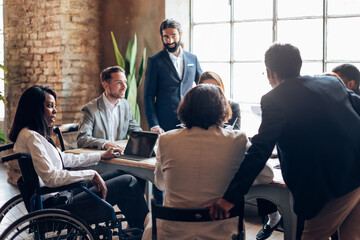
(169, 75)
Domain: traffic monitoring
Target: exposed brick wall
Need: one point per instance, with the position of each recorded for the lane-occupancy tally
(53, 43)
(80, 21)
(64, 44)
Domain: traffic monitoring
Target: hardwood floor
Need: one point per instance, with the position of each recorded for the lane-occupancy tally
(252, 221)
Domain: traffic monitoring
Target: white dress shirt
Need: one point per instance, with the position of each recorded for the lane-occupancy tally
(113, 117)
(48, 164)
(178, 62)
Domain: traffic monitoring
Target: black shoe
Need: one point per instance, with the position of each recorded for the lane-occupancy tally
(266, 231)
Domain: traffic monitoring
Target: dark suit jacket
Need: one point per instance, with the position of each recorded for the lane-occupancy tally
(235, 108)
(163, 88)
(315, 123)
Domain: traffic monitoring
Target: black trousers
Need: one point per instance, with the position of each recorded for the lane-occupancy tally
(125, 192)
(106, 175)
(265, 207)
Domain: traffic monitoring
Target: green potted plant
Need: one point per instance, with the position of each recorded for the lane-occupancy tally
(129, 64)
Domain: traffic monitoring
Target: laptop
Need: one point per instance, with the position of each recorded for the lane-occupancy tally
(140, 146)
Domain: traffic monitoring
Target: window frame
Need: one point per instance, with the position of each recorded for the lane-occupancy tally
(325, 17)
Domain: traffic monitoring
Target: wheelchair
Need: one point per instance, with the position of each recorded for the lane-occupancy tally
(15, 208)
(25, 216)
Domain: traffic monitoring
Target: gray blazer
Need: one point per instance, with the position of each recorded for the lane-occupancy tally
(93, 131)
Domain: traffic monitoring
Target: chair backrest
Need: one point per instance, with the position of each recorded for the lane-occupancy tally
(65, 128)
(6, 147)
(192, 215)
(29, 181)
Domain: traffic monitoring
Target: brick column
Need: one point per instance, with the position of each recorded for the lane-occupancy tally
(53, 43)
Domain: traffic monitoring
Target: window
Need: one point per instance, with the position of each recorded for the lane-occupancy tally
(2, 112)
(230, 37)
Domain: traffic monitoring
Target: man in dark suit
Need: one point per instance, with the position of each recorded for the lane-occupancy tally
(308, 118)
(169, 75)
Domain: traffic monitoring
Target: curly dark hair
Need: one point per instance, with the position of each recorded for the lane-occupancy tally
(203, 106)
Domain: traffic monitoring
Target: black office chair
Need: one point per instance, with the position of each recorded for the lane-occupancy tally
(193, 215)
(59, 130)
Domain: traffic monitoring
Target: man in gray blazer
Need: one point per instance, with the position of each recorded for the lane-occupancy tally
(107, 118)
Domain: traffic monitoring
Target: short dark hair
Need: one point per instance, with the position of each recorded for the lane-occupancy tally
(30, 112)
(105, 74)
(283, 59)
(170, 23)
(348, 72)
(203, 106)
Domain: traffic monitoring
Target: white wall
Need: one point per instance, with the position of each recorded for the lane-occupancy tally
(180, 11)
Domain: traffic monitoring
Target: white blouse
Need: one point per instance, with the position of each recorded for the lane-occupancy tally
(47, 161)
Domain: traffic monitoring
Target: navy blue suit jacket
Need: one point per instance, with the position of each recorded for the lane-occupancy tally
(315, 123)
(163, 88)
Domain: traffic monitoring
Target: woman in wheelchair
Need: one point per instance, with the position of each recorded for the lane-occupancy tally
(33, 123)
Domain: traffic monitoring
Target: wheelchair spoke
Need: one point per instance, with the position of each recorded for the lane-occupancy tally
(11, 211)
(48, 224)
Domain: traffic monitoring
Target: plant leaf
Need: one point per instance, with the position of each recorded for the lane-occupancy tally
(133, 56)
(137, 114)
(2, 137)
(141, 68)
(3, 68)
(128, 57)
(132, 93)
(119, 57)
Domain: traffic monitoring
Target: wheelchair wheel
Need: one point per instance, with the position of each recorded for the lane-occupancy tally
(48, 224)
(12, 210)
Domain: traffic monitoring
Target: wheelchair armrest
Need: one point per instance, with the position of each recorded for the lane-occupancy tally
(66, 128)
(15, 156)
(6, 146)
(46, 190)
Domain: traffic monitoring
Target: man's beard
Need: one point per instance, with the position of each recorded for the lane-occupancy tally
(172, 49)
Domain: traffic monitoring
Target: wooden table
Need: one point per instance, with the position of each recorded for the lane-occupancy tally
(143, 169)
(276, 192)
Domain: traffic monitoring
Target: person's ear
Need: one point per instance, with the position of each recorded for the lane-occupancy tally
(269, 73)
(350, 84)
(105, 85)
(180, 34)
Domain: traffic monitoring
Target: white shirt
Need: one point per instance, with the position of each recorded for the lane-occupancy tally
(113, 118)
(178, 62)
(47, 162)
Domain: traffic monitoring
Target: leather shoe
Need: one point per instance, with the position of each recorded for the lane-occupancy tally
(266, 231)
